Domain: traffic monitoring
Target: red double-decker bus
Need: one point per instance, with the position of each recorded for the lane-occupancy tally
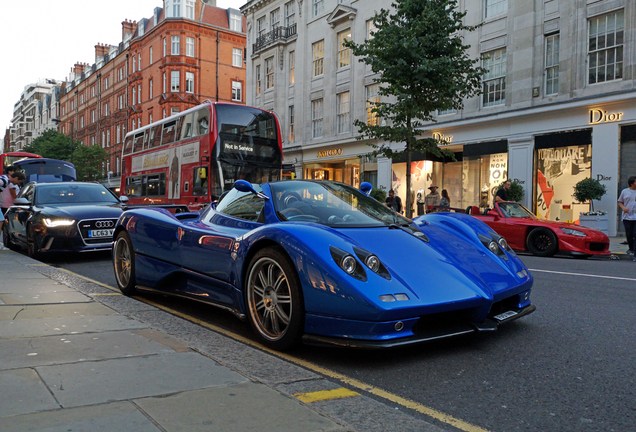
(10, 158)
(192, 157)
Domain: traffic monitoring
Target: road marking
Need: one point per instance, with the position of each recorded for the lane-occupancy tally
(352, 382)
(323, 395)
(583, 274)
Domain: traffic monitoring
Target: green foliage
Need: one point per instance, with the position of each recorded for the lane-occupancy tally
(423, 66)
(589, 189)
(89, 161)
(378, 194)
(515, 193)
(52, 144)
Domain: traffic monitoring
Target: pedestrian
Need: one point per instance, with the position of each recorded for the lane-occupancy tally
(502, 193)
(9, 187)
(394, 202)
(444, 202)
(627, 203)
(432, 199)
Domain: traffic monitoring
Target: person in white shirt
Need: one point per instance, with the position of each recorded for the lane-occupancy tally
(627, 203)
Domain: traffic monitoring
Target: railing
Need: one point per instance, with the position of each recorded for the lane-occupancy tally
(278, 34)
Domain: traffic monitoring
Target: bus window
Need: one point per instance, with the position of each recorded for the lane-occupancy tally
(133, 186)
(156, 136)
(155, 185)
(138, 142)
(168, 133)
(187, 129)
(202, 120)
(128, 144)
(200, 181)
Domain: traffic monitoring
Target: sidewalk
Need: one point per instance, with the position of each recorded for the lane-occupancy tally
(78, 356)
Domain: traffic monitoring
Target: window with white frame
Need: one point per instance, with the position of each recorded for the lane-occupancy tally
(343, 112)
(93, 116)
(269, 73)
(150, 89)
(164, 84)
(605, 47)
(150, 59)
(494, 80)
(174, 81)
(120, 101)
(344, 53)
(274, 18)
(176, 8)
(552, 64)
(237, 91)
(106, 83)
(189, 46)
(139, 92)
(257, 76)
(291, 135)
(371, 29)
(495, 7)
(292, 67)
(175, 46)
(236, 22)
(139, 61)
(134, 96)
(316, 117)
(189, 82)
(317, 55)
(118, 134)
(261, 26)
(164, 46)
(317, 6)
(372, 97)
(290, 13)
(237, 57)
(189, 9)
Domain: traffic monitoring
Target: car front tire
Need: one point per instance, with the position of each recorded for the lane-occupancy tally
(542, 242)
(274, 300)
(32, 247)
(124, 263)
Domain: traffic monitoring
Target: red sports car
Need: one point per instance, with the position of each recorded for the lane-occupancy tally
(527, 233)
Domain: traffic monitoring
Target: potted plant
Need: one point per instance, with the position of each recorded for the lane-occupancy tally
(588, 190)
(515, 193)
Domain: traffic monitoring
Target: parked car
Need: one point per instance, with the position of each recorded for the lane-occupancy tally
(323, 261)
(527, 233)
(62, 217)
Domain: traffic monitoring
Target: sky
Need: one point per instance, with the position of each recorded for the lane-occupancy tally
(44, 38)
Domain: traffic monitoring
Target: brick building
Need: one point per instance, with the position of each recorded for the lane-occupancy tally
(185, 53)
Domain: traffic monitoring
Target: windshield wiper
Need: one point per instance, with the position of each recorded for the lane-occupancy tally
(407, 229)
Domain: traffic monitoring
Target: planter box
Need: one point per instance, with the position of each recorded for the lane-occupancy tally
(598, 222)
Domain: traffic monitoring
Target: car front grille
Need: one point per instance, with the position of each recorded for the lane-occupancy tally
(93, 231)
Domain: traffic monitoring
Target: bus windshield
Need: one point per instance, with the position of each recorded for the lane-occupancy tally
(43, 170)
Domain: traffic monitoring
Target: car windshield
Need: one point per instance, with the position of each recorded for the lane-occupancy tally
(59, 194)
(330, 203)
(515, 210)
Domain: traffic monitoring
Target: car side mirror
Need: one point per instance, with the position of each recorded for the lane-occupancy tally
(123, 199)
(21, 202)
(493, 212)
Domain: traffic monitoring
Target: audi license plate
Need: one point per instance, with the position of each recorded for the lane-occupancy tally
(505, 315)
(101, 233)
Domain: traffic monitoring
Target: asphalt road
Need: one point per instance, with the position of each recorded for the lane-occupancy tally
(567, 367)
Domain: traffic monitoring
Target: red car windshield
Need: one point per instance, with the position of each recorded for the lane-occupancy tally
(515, 210)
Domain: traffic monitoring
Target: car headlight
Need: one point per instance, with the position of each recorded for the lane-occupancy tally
(57, 222)
(348, 264)
(373, 262)
(504, 244)
(573, 232)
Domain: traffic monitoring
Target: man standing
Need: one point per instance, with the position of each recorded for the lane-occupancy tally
(502, 193)
(394, 202)
(432, 199)
(627, 203)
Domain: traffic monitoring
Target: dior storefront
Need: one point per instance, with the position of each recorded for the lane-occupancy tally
(547, 150)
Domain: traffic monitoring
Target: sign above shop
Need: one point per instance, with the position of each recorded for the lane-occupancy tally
(330, 152)
(444, 139)
(598, 115)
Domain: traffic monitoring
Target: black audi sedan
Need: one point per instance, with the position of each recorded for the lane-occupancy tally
(62, 217)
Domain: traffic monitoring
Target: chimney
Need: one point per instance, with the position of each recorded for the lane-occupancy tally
(128, 29)
(101, 50)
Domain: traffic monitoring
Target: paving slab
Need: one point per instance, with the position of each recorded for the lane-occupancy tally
(23, 391)
(43, 297)
(113, 417)
(103, 381)
(38, 327)
(17, 312)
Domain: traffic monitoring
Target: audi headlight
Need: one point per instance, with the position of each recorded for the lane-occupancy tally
(573, 232)
(57, 222)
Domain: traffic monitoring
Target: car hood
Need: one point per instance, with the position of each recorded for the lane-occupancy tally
(84, 211)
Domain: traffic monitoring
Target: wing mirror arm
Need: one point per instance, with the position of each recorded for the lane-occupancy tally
(245, 186)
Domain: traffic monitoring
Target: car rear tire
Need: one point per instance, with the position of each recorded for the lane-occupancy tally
(274, 300)
(124, 263)
(542, 242)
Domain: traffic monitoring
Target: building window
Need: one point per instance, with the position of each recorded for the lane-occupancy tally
(261, 26)
(316, 118)
(269, 73)
(164, 83)
(134, 96)
(164, 45)
(274, 18)
(237, 91)
(290, 14)
(175, 46)
(343, 101)
(371, 29)
(150, 89)
(259, 83)
(373, 97)
(236, 22)
(291, 135)
(318, 54)
(495, 7)
(190, 46)
(93, 118)
(139, 93)
(106, 83)
(317, 6)
(174, 81)
(189, 9)
(189, 82)
(552, 64)
(150, 59)
(139, 61)
(292, 67)
(237, 57)
(494, 80)
(176, 8)
(344, 53)
(605, 47)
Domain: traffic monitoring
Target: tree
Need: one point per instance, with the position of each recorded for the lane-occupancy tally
(423, 64)
(89, 161)
(589, 189)
(52, 144)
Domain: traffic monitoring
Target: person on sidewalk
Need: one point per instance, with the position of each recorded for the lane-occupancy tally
(9, 187)
(627, 203)
(432, 199)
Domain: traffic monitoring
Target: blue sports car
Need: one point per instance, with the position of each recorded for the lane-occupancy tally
(324, 262)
